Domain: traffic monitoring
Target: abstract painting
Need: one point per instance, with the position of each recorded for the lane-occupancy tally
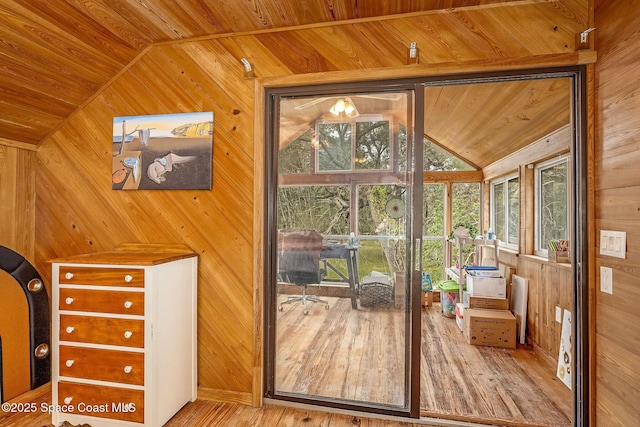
(163, 152)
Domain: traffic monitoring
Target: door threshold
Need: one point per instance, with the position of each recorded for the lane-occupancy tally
(423, 420)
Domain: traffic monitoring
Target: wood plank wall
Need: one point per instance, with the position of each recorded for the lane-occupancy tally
(617, 201)
(17, 220)
(550, 286)
(77, 211)
(17, 199)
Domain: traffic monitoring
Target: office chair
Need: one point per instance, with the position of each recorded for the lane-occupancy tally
(299, 264)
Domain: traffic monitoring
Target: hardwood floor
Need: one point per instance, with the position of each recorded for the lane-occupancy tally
(341, 353)
(459, 382)
(359, 355)
(205, 413)
(477, 383)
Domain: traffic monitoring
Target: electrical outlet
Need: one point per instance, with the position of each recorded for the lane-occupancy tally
(606, 280)
(558, 314)
(613, 243)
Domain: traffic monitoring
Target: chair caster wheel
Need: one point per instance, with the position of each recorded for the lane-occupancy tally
(326, 307)
(281, 308)
(305, 312)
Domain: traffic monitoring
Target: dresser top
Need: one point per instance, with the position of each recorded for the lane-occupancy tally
(131, 254)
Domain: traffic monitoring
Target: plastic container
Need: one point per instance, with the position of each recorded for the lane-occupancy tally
(449, 297)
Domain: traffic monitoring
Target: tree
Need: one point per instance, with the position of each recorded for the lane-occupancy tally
(327, 207)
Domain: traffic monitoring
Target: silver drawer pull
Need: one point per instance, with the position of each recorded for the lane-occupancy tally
(128, 334)
(69, 363)
(127, 369)
(70, 329)
(69, 300)
(128, 278)
(69, 276)
(128, 304)
(68, 400)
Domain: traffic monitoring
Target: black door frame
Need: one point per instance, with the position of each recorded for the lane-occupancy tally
(580, 225)
(271, 178)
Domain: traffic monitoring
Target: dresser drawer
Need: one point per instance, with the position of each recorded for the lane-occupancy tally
(102, 330)
(129, 277)
(125, 367)
(102, 401)
(117, 302)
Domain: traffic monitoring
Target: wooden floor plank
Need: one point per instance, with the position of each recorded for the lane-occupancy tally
(359, 355)
(206, 413)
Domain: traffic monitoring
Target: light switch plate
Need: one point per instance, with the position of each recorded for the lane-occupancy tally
(558, 314)
(606, 280)
(613, 243)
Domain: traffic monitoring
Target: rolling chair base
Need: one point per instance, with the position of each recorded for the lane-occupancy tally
(305, 299)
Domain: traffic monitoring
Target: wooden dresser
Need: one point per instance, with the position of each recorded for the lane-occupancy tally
(124, 347)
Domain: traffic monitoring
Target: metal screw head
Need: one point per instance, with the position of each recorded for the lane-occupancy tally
(34, 285)
(42, 351)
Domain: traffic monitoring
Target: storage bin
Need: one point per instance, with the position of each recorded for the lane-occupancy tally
(449, 297)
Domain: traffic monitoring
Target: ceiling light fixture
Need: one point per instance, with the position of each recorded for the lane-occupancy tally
(344, 105)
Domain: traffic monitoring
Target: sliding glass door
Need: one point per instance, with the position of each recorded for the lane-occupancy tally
(353, 171)
(341, 260)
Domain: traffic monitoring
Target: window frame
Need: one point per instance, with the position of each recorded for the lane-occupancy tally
(505, 179)
(353, 123)
(538, 169)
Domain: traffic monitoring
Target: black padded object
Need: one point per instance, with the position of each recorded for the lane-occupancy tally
(39, 317)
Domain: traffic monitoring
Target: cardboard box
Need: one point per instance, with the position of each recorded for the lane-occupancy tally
(494, 328)
(487, 287)
(486, 303)
(460, 315)
(484, 273)
(558, 256)
(427, 299)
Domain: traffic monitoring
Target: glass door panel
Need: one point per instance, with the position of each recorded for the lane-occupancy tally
(433, 241)
(341, 293)
(484, 138)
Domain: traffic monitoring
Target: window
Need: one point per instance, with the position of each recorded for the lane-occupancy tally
(437, 158)
(552, 203)
(339, 149)
(334, 147)
(505, 209)
(433, 233)
(465, 209)
(320, 207)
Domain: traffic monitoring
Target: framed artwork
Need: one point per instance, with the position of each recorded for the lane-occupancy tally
(163, 152)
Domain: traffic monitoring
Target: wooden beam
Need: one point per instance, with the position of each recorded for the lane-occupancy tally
(527, 210)
(344, 178)
(486, 189)
(18, 144)
(555, 143)
(452, 176)
(431, 70)
(258, 245)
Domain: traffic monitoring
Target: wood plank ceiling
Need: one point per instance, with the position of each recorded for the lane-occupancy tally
(56, 54)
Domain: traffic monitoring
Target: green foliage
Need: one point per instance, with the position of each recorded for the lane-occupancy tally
(323, 208)
(295, 157)
(372, 145)
(438, 159)
(554, 203)
(334, 141)
(327, 208)
(473, 230)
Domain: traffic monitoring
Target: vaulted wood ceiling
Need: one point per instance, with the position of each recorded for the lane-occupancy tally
(56, 54)
(479, 122)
